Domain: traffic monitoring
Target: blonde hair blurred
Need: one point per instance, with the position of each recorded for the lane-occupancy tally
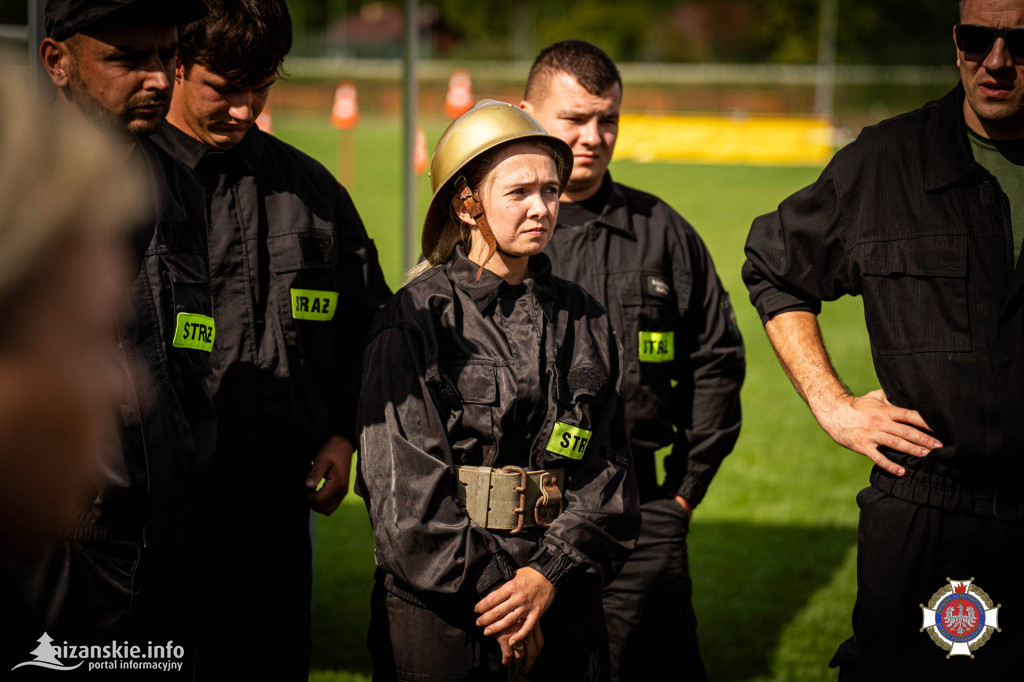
(59, 177)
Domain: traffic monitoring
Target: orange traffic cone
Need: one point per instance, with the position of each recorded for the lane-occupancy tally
(345, 112)
(265, 121)
(459, 99)
(419, 152)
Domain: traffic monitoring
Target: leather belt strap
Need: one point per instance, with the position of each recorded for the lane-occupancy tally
(511, 498)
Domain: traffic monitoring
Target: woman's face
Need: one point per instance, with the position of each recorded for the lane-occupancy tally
(520, 199)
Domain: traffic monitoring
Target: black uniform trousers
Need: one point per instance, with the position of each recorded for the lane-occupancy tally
(410, 641)
(905, 553)
(649, 606)
(258, 539)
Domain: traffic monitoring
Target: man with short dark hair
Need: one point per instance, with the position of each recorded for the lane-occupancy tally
(651, 269)
(923, 216)
(296, 284)
(120, 573)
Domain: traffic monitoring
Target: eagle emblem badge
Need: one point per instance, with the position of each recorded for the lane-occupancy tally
(960, 618)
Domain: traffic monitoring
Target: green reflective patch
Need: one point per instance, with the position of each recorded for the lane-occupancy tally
(194, 331)
(310, 304)
(568, 441)
(657, 346)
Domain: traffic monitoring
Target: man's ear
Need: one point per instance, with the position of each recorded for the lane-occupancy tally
(179, 71)
(55, 56)
(525, 106)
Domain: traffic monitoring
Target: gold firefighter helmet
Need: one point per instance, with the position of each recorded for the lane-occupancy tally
(485, 126)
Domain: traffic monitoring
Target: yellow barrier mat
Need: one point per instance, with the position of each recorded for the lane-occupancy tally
(725, 139)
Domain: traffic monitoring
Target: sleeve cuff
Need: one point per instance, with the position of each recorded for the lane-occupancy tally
(693, 489)
(553, 565)
(342, 426)
(496, 573)
(776, 302)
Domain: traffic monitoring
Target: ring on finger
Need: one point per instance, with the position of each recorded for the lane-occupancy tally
(516, 614)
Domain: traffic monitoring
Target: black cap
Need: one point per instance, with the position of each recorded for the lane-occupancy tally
(65, 18)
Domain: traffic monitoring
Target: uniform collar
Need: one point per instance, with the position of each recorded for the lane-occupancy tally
(483, 293)
(948, 155)
(191, 151)
(616, 213)
(250, 149)
(180, 145)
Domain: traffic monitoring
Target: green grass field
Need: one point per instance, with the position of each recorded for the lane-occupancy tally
(773, 546)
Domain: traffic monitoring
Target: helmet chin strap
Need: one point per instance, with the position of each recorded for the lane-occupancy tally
(475, 209)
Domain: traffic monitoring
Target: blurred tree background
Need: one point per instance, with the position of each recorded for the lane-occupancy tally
(722, 31)
(729, 31)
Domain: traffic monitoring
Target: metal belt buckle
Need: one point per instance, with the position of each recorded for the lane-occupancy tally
(521, 489)
(550, 503)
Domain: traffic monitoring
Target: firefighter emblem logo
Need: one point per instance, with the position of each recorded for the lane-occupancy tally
(960, 618)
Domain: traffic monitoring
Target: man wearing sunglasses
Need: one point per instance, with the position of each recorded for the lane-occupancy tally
(923, 216)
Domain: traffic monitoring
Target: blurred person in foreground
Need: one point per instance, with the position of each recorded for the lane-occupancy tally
(923, 216)
(64, 265)
(683, 357)
(493, 459)
(296, 284)
(119, 572)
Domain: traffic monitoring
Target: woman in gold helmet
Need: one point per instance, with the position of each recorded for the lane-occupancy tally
(493, 458)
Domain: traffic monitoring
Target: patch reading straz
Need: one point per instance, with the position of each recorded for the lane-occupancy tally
(311, 304)
(194, 331)
(569, 441)
(657, 346)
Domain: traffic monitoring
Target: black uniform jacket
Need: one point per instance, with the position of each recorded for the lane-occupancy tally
(676, 324)
(460, 372)
(905, 218)
(168, 430)
(296, 284)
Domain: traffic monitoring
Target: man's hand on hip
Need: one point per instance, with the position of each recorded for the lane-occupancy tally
(864, 424)
(861, 424)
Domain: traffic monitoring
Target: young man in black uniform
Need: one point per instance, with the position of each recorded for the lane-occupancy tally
(296, 284)
(120, 571)
(651, 269)
(919, 216)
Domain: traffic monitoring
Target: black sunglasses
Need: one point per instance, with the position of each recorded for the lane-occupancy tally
(978, 40)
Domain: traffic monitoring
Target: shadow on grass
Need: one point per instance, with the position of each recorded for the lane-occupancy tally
(751, 581)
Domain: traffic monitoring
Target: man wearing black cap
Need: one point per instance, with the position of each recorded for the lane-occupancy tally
(119, 571)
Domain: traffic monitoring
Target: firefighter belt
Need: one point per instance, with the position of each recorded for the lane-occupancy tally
(511, 498)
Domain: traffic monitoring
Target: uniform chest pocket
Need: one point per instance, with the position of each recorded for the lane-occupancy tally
(471, 415)
(191, 327)
(915, 294)
(303, 289)
(650, 309)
